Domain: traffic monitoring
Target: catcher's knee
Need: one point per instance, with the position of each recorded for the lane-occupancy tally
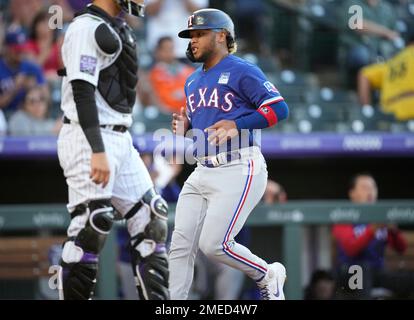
(148, 252)
(80, 254)
(100, 220)
(157, 227)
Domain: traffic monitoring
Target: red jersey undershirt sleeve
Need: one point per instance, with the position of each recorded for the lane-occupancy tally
(352, 245)
(397, 241)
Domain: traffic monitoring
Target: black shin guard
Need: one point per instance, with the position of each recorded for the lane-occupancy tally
(151, 274)
(148, 252)
(80, 254)
(78, 280)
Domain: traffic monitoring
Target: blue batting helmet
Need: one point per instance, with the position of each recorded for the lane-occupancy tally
(206, 19)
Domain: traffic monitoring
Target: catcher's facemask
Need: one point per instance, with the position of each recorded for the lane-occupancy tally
(133, 8)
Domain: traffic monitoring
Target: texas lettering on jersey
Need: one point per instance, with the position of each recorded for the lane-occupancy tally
(232, 89)
(210, 99)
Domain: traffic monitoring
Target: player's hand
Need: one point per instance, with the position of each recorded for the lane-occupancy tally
(221, 131)
(100, 169)
(180, 123)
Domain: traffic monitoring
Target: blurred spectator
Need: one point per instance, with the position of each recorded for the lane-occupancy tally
(44, 46)
(164, 172)
(395, 81)
(364, 245)
(148, 161)
(376, 38)
(166, 79)
(22, 13)
(32, 120)
(166, 180)
(2, 28)
(274, 193)
(321, 286)
(3, 5)
(17, 75)
(167, 18)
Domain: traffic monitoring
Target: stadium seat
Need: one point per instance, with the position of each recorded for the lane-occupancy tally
(294, 86)
(297, 112)
(24, 261)
(267, 65)
(322, 12)
(373, 120)
(402, 126)
(333, 95)
(318, 117)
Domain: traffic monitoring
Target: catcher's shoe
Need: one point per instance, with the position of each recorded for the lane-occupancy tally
(271, 286)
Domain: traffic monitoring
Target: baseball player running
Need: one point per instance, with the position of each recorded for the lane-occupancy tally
(105, 175)
(226, 98)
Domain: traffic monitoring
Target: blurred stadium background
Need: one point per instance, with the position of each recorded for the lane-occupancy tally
(302, 47)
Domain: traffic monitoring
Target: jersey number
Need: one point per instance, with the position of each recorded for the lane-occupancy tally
(397, 71)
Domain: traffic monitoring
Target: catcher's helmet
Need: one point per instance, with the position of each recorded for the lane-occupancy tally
(132, 7)
(206, 19)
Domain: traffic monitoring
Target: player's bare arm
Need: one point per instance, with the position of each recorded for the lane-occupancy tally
(364, 89)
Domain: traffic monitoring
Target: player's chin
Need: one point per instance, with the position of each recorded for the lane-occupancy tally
(199, 58)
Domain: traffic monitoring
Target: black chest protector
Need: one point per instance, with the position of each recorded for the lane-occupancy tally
(117, 82)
